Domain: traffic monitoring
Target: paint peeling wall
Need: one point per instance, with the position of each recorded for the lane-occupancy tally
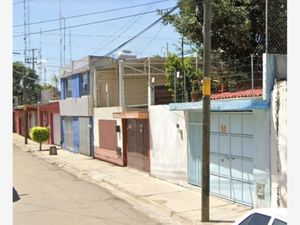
(279, 145)
(168, 144)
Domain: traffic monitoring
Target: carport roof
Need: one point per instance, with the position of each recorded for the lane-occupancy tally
(224, 105)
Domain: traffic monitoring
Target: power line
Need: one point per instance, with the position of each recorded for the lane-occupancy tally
(91, 23)
(128, 41)
(122, 31)
(21, 2)
(92, 13)
(147, 28)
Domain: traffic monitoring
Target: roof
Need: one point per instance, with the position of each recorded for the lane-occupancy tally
(238, 94)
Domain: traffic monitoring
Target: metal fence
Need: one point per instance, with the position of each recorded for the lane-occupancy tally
(239, 77)
(276, 26)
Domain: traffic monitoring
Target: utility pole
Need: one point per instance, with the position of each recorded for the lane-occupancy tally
(182, 70)
(70, 44)
(64, 48)
(24, 76)
(60, 33)
(206, 108)
(33, 60)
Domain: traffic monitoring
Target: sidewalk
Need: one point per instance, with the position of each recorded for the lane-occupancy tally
(178, 203)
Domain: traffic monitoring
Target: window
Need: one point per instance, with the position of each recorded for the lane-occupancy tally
(69, 88)
(85, 85)
(256, 219)
(278, 222)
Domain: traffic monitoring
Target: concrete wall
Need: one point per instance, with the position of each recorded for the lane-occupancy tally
(46, 95)
(278, 137)
(168, 144)
(76, 106)
(274, 68)
(261, 157)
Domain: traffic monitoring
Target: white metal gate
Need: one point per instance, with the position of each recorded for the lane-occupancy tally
(84, 136)
(231, 155)
(56, 129)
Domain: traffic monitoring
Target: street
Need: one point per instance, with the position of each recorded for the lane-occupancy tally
(48, 195)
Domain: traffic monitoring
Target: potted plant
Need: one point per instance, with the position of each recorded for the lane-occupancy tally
(232, 85)
(196, 93)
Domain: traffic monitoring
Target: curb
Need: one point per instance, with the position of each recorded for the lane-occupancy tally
(115, 189)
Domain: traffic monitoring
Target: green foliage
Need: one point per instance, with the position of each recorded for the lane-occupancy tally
(39, 134)
(192, 75)
(31, 82)
(237, 26)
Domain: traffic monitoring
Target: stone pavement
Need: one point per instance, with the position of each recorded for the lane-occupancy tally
(180, 204)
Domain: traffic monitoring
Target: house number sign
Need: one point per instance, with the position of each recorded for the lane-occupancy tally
(223, 128)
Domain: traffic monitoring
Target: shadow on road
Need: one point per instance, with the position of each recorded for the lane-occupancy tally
(16, 196)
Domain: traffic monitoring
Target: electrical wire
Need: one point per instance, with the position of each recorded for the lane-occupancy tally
(141, 32)
(91, 23)
(120, 32)
(92, 13)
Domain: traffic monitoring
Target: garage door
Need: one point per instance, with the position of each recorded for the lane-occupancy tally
(231, 154)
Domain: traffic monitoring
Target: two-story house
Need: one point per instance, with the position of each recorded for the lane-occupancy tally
(76, 104)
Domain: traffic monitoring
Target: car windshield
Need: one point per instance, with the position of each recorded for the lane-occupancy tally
(256, 219)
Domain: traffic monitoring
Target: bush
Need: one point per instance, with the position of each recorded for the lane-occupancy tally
(39, 134)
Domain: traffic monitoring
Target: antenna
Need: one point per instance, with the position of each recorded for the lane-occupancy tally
(28, 24)
(70, 43)
(40, 57)
(60, 32)
(64, 41)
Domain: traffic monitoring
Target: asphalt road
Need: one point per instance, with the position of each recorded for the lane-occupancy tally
(47, 195)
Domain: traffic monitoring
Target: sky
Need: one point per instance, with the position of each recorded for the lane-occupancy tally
(98, 38)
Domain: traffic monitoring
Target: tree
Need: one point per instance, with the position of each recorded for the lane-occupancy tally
(237, 26)
(39, 135)
(174, 64)
(31, 82)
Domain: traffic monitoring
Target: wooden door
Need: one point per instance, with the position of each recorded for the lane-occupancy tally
(137, 144)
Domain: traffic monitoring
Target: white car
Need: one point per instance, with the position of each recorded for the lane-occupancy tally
(264, 216)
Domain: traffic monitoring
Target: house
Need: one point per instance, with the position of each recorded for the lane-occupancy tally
(243, 142)
(76, 104)
(124, 89)
(44, 113)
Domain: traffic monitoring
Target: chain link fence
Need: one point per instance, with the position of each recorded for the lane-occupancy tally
(276, 29)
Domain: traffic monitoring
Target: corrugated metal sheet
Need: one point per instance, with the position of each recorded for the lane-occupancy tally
(75, 125)
(84, 136)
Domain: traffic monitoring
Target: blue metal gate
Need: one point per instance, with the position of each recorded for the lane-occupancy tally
(75, 135)
(231, 154)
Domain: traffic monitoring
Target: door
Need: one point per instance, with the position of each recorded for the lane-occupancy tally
(137, 144)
